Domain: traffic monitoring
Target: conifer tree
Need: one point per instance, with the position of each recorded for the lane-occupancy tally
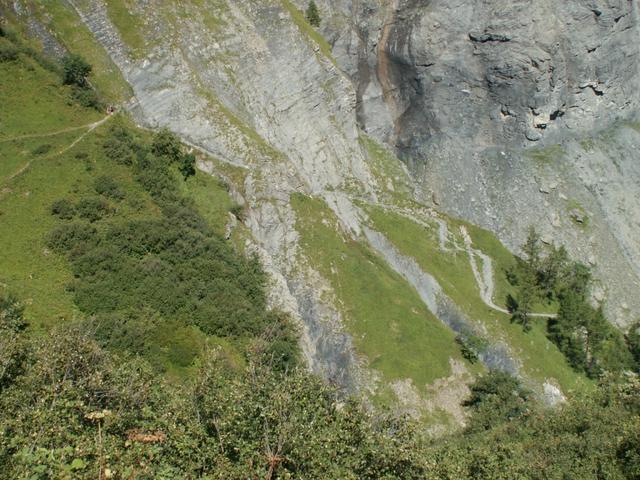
(312, 14)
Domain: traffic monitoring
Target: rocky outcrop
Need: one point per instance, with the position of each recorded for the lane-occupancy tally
(498, 71)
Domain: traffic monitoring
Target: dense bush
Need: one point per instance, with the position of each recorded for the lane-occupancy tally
(172, 273)
(63, 209)
(188, 165)
(76, 410)
(42, 149)
(120, 145)
(13, 349)
(176, 270)
(72, 237)
(633, 343)
(166, 144)
(72, 410)
(495, 398)
(75, 70)
(93, 208)
(107, 186)
(87, 97)
(8, 51)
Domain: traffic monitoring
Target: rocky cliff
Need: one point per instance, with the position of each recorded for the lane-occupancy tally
(512, 113)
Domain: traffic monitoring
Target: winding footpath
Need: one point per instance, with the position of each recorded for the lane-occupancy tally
(484, 278)
(90, 127)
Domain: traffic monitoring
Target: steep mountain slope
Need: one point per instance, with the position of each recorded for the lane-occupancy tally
(498, 108)
(381, 283)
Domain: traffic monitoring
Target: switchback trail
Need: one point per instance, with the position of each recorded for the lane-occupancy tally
(484, 278)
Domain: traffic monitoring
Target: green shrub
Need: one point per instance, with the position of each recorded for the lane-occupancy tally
(125, 331)
(93, 209)
(166, 144)
(278, 345)
(108, 187)
(13, 349)
(8, 51)
(633, 343)
(75, 70)
(86, 96)
(70, 236)
(42, 149)
(119, 145)
(495, 398)
(11, 314)
(63, 209)
(188, 165)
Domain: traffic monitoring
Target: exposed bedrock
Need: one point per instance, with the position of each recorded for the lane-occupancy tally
(464, 90)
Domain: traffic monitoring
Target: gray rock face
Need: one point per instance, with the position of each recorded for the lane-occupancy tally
(463, 90)
(496, 71)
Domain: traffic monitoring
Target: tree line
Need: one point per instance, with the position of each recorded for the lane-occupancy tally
(580, 330)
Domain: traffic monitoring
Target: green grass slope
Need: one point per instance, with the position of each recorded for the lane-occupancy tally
(540, 358)
(48, 153)
(389, 323)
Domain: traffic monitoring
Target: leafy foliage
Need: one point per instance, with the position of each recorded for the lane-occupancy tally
(108, 187)
(144, 279)
(76, 408)
(75, 70)
(8, 51)
(188, 165)
(73, 410)
(594, 436)
(13, 348)
(495, 398)
(63, 209)
(633, 343)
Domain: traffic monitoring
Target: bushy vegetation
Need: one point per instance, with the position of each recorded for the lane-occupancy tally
(580, 330)
(108, 187)
(144, 278)
(70, 409)
(594, 436)
(8, 51)
(75, 71)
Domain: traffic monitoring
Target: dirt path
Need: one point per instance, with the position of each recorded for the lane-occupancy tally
(484, 277)
(49, 134)
(90, 128)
